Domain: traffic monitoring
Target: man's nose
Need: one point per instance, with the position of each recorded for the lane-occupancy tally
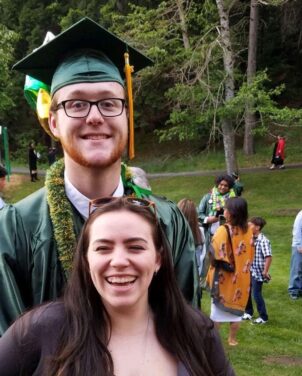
(94, 115)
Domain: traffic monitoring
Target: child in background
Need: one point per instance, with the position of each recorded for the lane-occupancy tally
(259, 271)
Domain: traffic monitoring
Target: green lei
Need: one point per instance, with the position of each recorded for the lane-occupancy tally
(61, 212)
(218, 200)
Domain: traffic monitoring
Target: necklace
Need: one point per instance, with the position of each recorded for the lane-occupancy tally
(217, 200)
(61, 214)
(145, 345)
(140, 355)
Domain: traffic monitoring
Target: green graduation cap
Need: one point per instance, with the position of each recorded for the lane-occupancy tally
(85, 52)
(86, 34)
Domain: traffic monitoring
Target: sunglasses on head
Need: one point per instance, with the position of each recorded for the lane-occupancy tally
(98, 202)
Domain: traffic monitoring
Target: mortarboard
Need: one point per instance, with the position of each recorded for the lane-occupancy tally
(85, 52)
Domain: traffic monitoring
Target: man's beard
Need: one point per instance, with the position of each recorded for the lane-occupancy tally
(78, 157)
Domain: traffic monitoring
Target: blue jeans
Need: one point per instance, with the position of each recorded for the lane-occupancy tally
(295, 278)
(260, 303)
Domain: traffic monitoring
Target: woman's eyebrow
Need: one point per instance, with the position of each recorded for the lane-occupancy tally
(135, 239)
(128, 240)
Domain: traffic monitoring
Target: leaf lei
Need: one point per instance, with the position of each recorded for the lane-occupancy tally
(61, 213)
(218, 199)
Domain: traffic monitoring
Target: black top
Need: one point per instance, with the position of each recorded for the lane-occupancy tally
(23, 348)
(32, 159)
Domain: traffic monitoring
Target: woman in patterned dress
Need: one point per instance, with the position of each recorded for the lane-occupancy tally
(232, 253)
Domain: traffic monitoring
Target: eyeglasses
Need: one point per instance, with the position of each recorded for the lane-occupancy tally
(77, 108)
(98, 202)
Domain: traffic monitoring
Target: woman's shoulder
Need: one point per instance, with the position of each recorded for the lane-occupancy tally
(222, 231)
(42, 321)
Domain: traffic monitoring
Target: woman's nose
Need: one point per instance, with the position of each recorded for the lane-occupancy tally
(119, 258)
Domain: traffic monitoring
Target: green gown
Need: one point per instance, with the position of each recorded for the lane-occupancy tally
(31, 272)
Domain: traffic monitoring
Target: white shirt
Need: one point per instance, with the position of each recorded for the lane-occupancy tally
(81, 202)
(297, 231)
(2, 203)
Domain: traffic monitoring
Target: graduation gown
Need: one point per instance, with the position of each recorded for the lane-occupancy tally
(31, 272)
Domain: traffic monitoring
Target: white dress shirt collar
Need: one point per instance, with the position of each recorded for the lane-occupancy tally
(81, 202)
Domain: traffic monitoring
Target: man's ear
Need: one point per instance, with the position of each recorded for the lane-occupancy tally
(52, 122)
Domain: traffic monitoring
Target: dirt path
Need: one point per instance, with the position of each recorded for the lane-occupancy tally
(217, 172)
(24, 170)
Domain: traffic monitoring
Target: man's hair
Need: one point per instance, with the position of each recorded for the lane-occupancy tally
(3, 172)
(84, 338)
(258, 221)
(225, 177)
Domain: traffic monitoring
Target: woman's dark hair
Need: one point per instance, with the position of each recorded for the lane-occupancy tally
(188, 208)
(86, 333)
(225, 177)
(237, 207)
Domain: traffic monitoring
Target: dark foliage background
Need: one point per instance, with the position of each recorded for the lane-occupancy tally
(180, 97)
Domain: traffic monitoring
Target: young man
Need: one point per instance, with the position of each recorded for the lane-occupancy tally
(259, 271)
(3, 173)
(84, 68)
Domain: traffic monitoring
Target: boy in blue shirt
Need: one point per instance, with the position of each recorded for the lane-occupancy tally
(259, 271)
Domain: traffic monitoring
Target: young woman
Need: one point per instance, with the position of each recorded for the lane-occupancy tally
(122, 313)
(188, 208)
(229, 275)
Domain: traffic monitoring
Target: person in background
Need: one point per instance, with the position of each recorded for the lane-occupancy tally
(122, 312)
(32, 162)
(188, 208)
(238, 185)
(228, 278)
(278, 153)
(210, 213)
(259, 271)
(84, 67)
(3, 174)
(295, 277)
(51, 156)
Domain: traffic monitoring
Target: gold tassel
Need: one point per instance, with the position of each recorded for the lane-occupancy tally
(128, 70)
(43, 107)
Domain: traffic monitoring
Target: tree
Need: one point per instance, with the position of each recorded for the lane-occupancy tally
(250, 116)
(229, 87)
(183, 24)
(7, 40)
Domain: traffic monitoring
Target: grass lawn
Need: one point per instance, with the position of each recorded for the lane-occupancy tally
(274, 349)
(20, 186)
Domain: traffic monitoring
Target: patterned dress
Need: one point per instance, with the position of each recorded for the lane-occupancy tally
(230, 289)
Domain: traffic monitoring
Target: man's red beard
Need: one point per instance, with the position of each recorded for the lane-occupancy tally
(80, 159)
